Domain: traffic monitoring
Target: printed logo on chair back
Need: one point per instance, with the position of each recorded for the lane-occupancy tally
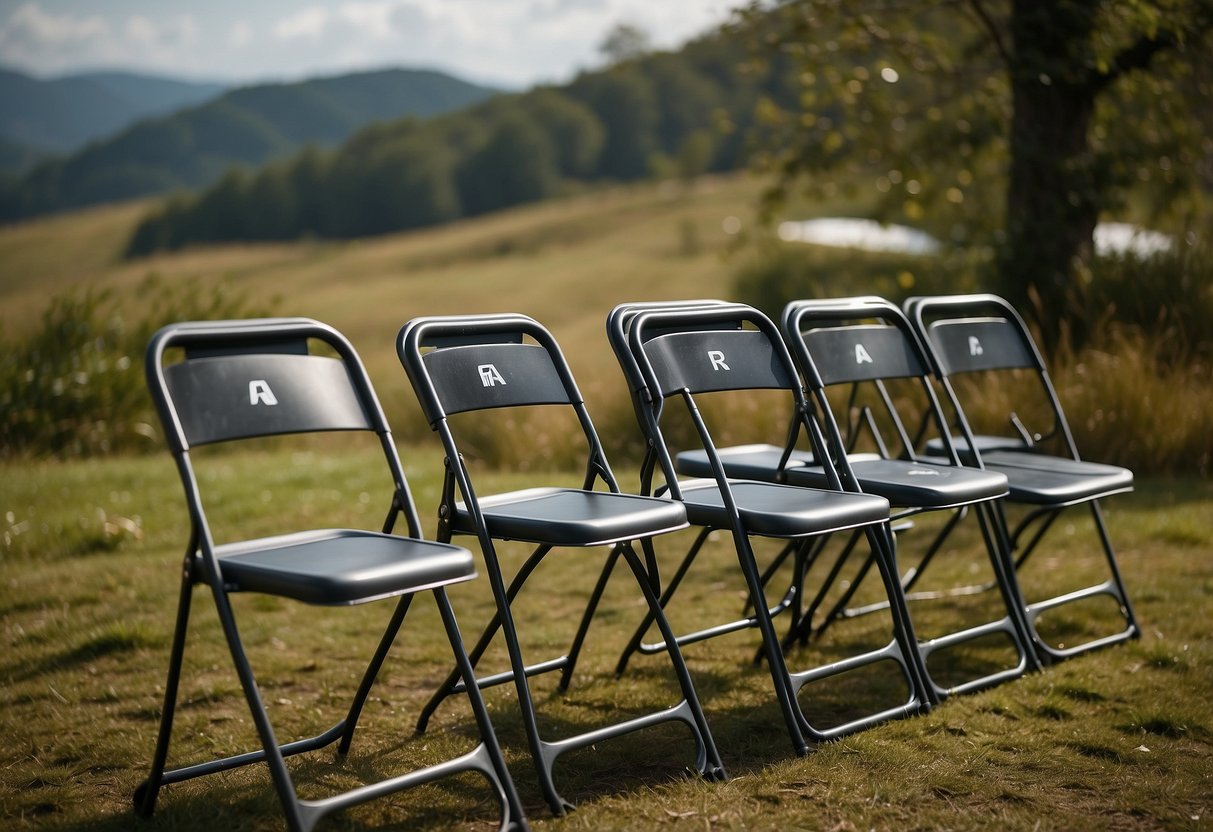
(717, 359)
(259, 392)
(975, 346)
(861, 352)
(489, 375)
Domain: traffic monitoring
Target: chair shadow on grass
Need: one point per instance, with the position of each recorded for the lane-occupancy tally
(742, 711)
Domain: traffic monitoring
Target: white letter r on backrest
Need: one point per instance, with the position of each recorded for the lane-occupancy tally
(717, 359)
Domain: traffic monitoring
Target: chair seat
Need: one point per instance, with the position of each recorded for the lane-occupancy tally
(915, 484)
(745, 462)
(984, 442)
(341, 566)
(775, 510)
(1040, 479)
(573, 517)
(901, 482)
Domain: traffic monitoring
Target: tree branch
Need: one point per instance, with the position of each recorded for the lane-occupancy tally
(992, 30)
(1137, 56)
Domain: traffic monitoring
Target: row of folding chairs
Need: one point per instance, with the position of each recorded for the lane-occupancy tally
(851, 474)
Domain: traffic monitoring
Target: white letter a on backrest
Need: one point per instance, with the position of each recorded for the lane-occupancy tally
(861, 355)
(259, 392)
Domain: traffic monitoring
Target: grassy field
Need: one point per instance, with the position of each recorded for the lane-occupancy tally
(565, 263)
(89, 553)
(1122, 738)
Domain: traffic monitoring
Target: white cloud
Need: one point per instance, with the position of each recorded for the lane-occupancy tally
(140, 30)
(240, 35)
(509, 42)
(372, 19)
(309, 23)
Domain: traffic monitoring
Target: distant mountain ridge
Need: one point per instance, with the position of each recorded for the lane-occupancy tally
(61, 115)
(244, 127)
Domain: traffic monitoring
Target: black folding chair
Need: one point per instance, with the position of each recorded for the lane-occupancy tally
(678, 351)
(983, 334)
(866, 349)
(464, 364)
(238, 380)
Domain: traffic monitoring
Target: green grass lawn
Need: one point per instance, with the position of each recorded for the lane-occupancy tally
(1120, 739)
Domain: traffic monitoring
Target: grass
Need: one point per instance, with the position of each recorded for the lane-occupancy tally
(1122, 738)
(90, 552)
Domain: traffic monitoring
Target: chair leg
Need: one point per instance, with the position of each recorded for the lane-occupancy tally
(775, 659)
(295, 818)
(372, 672)
(526, 705)
(584, 627)
(145, 794)
(1114, 566)
(884, 547)
(1008, 584)
(450, 685)
(513, 817)
(1113, 587)
(635, 643)
(709, 763)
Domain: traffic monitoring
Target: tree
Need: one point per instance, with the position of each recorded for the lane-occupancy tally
(516, 165)
(625, 42)
(1014, 123)
(624, 101)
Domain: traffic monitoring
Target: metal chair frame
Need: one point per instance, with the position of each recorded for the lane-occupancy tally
(635, 330)
(199, 402)
(861, 345)
(490, 344)
(984, 333)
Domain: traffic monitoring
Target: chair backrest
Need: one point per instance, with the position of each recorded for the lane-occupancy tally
(984, 333)
(865, 341)
(706, 347)
(459, 364)
(255, 378)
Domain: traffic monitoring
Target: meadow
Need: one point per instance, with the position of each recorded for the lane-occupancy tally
(1118, 739)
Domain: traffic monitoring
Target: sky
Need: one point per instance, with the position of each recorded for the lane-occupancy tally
(506, 43)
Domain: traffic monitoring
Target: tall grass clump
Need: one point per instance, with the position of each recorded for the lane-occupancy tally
(74, 385)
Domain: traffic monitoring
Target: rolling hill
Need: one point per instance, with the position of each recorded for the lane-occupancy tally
(244, 127)
(51, 116)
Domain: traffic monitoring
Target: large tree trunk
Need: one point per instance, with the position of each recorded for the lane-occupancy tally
(1053, 196)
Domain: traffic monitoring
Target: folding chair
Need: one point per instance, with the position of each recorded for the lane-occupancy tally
(244, 379)
(984, 334)
(465, 364)
(866, 349)
(676, 352)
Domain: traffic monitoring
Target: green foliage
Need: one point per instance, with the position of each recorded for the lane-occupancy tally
(666, 114)
(1169, 295)
(1009, 124)
(517, 164)
(74, 386)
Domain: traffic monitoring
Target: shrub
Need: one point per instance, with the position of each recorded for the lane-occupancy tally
(74, 385)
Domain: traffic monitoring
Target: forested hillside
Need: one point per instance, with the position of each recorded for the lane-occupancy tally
(51, 116)
(681, 113)
(245, 127)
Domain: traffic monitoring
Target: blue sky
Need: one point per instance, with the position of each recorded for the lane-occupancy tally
(512, 43)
